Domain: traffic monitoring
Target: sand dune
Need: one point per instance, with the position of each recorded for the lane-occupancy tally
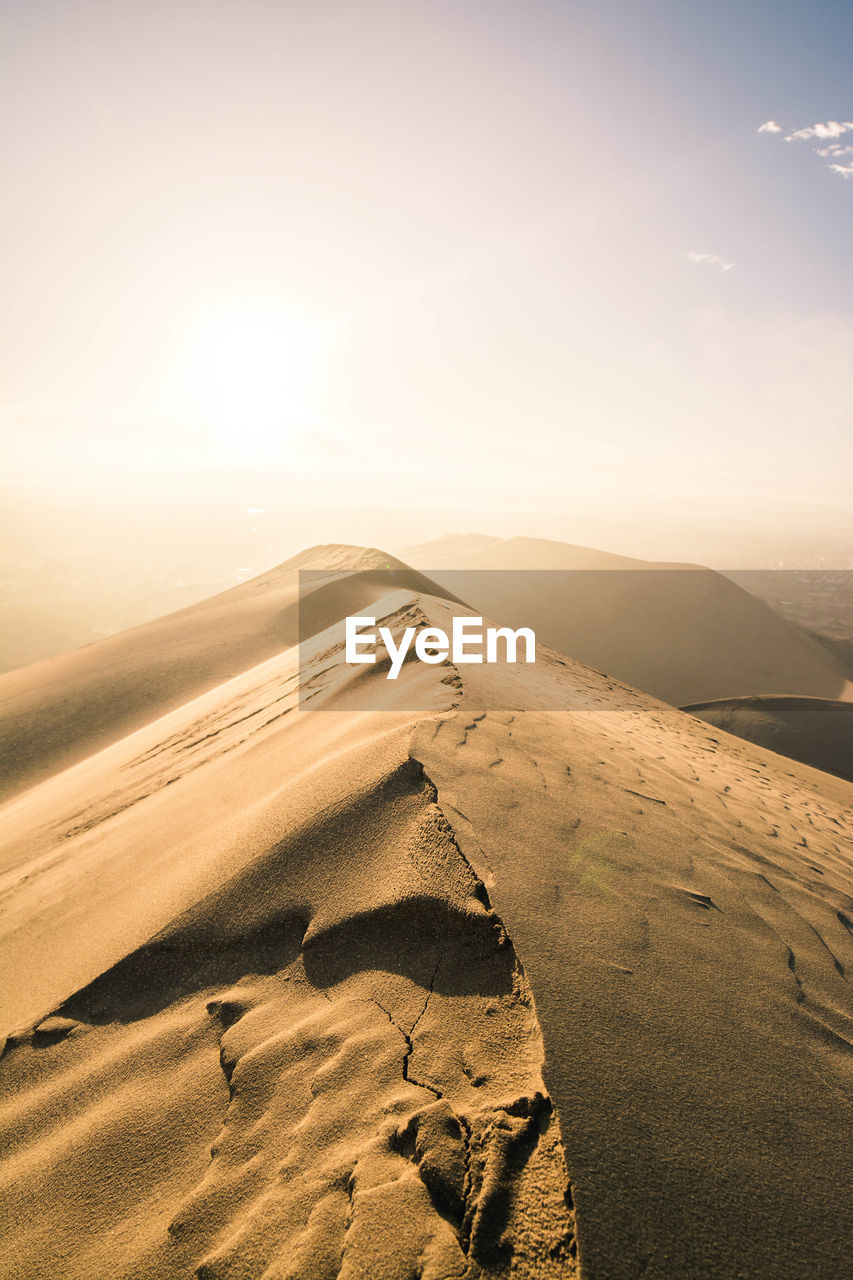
(815, 731)
(274, 950)
(681, 632)
(359, 991)
(56, 712)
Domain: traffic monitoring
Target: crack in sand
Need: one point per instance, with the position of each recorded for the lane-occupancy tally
(407, 1036)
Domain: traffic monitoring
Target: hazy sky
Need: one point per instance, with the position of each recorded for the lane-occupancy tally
(403, 253)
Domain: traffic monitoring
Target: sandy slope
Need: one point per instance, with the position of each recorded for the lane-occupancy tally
(309, 1047)
(57, 712)
(683, 633)
(816, 731)
(293, 954)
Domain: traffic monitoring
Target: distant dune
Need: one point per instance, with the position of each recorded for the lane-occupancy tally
(471, 551)
(306, 983)
(452, 544)
(815, 731)
(681, 632)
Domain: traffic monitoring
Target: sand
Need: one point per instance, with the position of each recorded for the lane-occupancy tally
(333, 987)
(816, 731)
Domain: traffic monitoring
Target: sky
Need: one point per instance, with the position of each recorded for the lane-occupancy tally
(529, 261)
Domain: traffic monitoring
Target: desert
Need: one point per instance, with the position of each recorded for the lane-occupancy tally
(468, 990)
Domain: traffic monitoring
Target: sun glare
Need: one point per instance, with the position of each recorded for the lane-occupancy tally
(244, 375)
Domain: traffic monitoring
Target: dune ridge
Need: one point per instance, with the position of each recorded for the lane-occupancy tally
(59, 711)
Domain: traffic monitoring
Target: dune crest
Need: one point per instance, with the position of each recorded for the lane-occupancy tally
(57, 712)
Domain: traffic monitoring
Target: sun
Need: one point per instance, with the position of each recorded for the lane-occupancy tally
(244, 374)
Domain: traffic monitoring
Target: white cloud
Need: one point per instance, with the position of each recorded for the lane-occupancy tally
(836, 150)
(709, 260)
(832, 129)
(826, 133)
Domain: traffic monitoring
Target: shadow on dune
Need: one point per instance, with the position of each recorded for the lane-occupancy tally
(423, 938)
(409, 938)
(171, 968)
